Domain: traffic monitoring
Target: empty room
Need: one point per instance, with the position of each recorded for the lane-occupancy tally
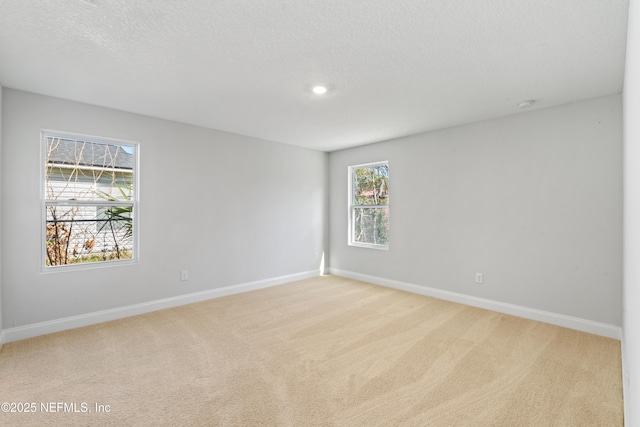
(322, 213)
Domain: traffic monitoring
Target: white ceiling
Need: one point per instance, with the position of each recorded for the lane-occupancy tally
(394, 68)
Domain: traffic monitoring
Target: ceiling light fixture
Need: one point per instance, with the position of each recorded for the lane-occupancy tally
(319, 90)
(526, 103)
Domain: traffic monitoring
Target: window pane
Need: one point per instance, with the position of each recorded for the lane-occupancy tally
(83, 170)
(371, 185)
(84, 234)
(371, 225)
(88, 199)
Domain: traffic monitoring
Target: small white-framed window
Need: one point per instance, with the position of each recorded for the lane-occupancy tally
(369, 205)
(89, 192)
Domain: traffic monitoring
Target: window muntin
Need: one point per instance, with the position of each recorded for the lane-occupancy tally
(369, 205)
(89, 193)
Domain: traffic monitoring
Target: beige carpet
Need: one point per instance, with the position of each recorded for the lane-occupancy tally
(320, 352)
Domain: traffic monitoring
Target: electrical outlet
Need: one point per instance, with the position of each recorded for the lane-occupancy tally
(479, 277)
(184, 275)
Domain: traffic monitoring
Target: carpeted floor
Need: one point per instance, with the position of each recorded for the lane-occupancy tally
(320, 352)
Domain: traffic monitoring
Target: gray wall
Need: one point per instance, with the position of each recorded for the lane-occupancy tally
(230, 209)
(631, 331)
(532, 200)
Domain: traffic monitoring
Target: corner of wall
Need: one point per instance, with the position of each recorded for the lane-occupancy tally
(631, 284)
(327, 215)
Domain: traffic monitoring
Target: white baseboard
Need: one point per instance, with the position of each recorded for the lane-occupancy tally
(36, 329)
(602, 329)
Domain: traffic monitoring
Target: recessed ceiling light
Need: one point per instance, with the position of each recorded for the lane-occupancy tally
(319, 90)
(526, 103)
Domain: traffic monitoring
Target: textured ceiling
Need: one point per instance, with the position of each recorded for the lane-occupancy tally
(247, 66)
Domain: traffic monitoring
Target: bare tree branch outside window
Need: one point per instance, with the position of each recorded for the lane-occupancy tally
(89, 201)
(370, 204)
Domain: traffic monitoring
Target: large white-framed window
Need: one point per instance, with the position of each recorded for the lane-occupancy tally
(89, 192)
(369, 205)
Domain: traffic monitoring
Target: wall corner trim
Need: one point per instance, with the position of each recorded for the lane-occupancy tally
(48, 327)
(625, 382)
(584, 325)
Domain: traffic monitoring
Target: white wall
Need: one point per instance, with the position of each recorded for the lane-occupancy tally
(532, 200)
(1, 333)
(631, 321)
(228, 208)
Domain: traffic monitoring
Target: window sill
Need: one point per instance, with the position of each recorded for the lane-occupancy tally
(369, 246)
(87, 266)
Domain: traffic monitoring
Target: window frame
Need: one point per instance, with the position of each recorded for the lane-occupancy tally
(352, 207)
(134, 202)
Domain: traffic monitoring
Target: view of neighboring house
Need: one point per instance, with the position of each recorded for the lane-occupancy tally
(88, 191)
